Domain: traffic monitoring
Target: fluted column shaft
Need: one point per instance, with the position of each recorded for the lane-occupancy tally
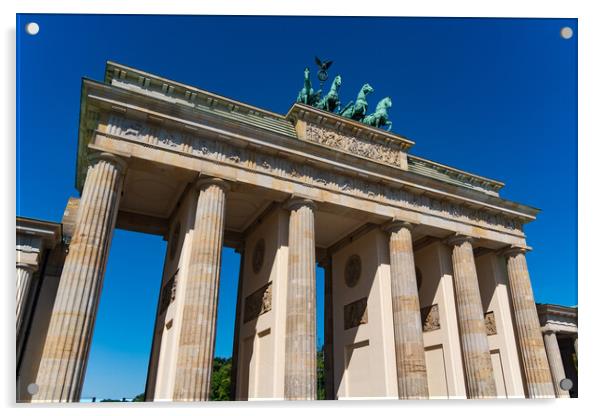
(530, 340)
(478, 368)
(64, 358)
(300, 373)
(412, 380)
(555, 360)
(24, 275)
(197, 334)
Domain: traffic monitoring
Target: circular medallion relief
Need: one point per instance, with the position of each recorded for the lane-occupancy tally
(353, 270)
(173, 241)
(258, 254)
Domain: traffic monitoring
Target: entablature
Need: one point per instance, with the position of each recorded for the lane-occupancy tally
(317, 126)
(128, 115)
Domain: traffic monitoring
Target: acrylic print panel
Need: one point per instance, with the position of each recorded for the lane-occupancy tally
(239, 208)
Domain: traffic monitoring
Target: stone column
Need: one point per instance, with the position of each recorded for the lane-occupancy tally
(555, 360)
(197, 334)
(65, 355)
(478, 368)
(575, 344)
(407, 324)
(328, 330)
(25, 272)
(300, 373)
(530, 341)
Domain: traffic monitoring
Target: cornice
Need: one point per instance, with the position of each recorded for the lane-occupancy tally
(189, 94)
(114, 70)
(548, 309)
(50, 232)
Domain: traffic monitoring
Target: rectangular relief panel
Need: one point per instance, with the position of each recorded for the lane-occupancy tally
(258, 302)
(356, 313)
(430, 318)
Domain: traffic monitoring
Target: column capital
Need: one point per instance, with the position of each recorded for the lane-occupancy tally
(117, 161)
(514, 250)
(395, 225)
(457, 239)
(27, 266)
(204, 181)
(295, 202)
(547, 329)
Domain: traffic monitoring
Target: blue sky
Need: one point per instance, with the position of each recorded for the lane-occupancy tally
(495, 97)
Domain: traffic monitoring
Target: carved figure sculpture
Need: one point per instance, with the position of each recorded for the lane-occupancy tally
(358, 110)
(322, 74)
(380, 117)
(331, 100)
(307, 95)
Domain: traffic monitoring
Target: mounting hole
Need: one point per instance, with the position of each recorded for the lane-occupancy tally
(32, 28)
(566, 32)
(566, 384)
(32, 388)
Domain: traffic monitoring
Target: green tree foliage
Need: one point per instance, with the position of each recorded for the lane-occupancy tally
(221, 382)
(321, 392)
(220, 379)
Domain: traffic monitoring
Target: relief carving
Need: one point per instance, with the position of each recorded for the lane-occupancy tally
(276, 166)
(356, 313)
(370, 150)
(258, 302)
(430, 318)
(168, 293)
(353, 270)
(490, 323)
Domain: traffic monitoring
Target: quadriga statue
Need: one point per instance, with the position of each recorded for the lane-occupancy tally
(358, 110)
(307, 95)
(380, 118)
(331, 101)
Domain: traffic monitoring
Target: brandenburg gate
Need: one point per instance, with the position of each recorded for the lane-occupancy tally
(427, 290)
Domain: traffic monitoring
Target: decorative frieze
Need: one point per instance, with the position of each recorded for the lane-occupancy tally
(277, 166)
(388, 154)
(430, 318)
(356, 313)
(258, 303)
